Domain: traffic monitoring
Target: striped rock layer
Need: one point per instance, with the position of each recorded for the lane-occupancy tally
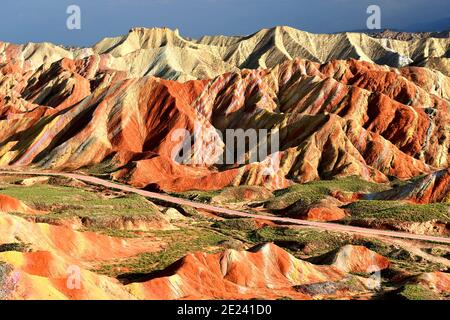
(58, 259)
(337, 119)
(60, 263)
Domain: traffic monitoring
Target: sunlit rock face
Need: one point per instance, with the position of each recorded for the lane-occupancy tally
(66, 110)
(153, 109)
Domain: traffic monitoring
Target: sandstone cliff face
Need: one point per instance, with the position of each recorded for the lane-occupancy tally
(336, 119)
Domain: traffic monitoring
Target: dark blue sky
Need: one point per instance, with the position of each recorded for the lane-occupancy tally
(45, 20)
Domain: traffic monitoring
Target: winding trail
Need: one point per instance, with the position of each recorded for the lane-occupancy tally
(229, 212)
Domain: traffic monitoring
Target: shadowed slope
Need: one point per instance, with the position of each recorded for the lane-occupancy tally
(338, 119)
(431, 188)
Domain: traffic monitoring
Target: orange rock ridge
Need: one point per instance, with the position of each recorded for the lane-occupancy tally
(338, 119)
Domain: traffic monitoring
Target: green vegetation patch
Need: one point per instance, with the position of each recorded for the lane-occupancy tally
(97, 209)
(309, 241)
(398, 210)
(16, 246)
(418, 292)
(66, 201)
(180, 243)
(312, 192)
(48, 194)
(236, 224)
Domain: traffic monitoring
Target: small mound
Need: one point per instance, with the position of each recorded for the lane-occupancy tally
(172, 214)
(426, 286)
(242, 194)
(324, 214)
(10, 204)
(355, 259)
(436, 281)
(66, 182)
(324, 210)
(33, 181)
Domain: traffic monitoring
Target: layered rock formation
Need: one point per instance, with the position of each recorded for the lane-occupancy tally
(337, 119)
(165, 53)
(265, 271)
(432, 188)
(58, 262)
(116, 109)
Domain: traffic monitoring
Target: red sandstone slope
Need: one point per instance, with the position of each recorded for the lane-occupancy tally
(337, 119)
(9, 204)
(265, 271)
(59, 263)
(431, 188)
(59, 257)
(51, 268)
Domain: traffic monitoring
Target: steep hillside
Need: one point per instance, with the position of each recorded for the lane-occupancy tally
(337, 119)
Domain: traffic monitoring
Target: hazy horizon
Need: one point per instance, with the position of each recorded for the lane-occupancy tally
(45, 20)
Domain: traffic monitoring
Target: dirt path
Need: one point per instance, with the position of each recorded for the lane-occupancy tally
(233, 213)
